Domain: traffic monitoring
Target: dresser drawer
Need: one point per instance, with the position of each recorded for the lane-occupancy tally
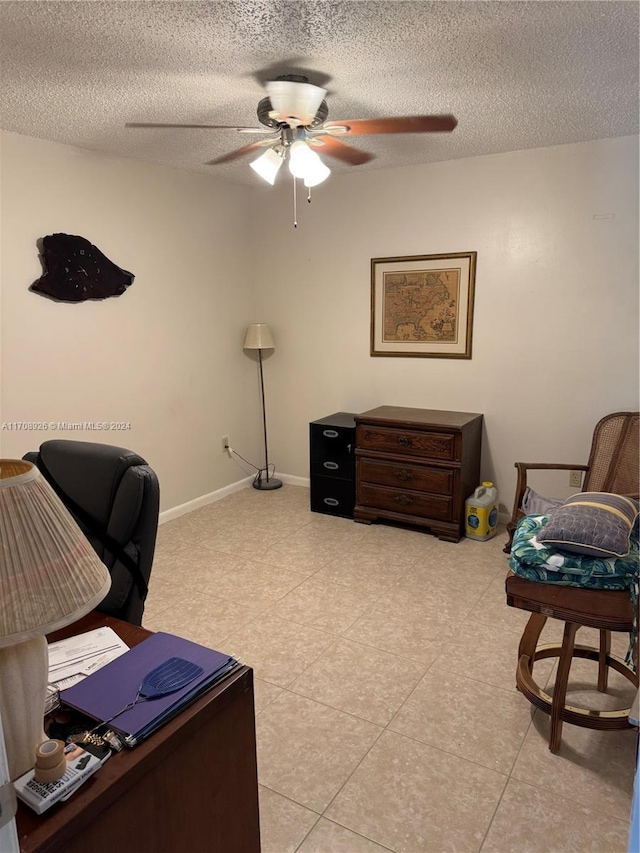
(437, 480)
(405, 501)
(428, 445)
(333, 496)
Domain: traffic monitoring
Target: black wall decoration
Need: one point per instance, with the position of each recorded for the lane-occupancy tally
(75, 270)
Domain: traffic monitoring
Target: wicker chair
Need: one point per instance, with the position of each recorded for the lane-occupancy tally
(612, 466)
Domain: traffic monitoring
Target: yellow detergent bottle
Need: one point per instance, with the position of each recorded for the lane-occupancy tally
(481, 512)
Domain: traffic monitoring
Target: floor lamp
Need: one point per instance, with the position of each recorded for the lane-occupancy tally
(259, 337)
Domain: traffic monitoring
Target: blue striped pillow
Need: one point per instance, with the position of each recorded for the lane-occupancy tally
(597, 524)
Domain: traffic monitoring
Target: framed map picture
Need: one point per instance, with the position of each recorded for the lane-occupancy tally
(422, 305)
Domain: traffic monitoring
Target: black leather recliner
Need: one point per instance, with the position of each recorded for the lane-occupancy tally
(114, 496)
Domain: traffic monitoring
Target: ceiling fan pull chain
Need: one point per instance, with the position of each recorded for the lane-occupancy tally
(295, 210)
(309, 195)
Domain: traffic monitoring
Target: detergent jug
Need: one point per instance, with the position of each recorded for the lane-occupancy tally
(481, 512)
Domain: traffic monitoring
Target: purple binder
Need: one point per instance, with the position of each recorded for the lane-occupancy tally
(107, 691)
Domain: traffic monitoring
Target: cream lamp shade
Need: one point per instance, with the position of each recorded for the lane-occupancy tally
(49, 577)
(268, 165)
(259, 337)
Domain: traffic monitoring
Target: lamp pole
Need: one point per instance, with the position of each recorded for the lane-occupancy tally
(269, 483)
(259, 337)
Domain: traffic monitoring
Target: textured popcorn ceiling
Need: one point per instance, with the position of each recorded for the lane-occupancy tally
(515, 74)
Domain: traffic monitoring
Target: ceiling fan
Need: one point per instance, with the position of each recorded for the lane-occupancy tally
(295, 127)
(295, 110)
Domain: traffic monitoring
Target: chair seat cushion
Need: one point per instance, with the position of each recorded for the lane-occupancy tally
(534, 560)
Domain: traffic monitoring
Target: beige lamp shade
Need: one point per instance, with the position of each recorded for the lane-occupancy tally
(259, 337)
(49, 577)
(49, 573)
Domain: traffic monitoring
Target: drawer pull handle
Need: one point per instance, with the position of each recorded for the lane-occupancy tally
(332, 466)
(405, 500)
(330, 433)
(331, 502)
(404, 442)
(403, 474)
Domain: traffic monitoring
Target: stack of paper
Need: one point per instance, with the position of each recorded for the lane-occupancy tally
(73, 659)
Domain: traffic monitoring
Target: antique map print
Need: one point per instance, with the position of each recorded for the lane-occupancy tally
(421, 306)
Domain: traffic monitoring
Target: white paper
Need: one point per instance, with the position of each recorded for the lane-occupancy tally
(73, 659)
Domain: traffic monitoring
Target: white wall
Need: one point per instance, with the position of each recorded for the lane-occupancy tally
(555, 342)
(555, 339)
(167, 354)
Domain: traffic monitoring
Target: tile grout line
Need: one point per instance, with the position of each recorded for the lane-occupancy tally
(346, 781)
(359, 834)
(509, 777)
(336, 639)
(583, 805)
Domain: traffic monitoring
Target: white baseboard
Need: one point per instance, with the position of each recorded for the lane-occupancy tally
(292, 480)
(204, 500)
(212, 497)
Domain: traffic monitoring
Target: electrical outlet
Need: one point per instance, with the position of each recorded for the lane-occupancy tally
(225, 443)
(575, 479)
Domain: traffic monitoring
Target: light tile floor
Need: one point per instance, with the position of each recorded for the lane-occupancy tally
(384, 659)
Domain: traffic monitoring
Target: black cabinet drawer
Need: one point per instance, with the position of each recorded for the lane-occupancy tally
(332, 445)
(333, 496)
(335, 465)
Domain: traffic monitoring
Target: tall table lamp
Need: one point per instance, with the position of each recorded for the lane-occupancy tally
(259, 337)
(49, 577)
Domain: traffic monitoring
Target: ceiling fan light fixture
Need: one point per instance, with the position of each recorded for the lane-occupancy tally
(317, 174)
(302, 160)
(291, 99)
(267, 165)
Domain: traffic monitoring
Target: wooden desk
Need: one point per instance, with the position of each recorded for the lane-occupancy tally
(191, 787)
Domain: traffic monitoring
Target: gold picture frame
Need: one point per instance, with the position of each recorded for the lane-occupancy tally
(422, 305)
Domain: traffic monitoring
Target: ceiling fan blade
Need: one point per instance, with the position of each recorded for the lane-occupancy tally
(354, 156)
(203, 127)
(400, 124)
(291, 99)
(240, 152)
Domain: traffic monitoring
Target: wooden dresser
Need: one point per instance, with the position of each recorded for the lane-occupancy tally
(417, 466)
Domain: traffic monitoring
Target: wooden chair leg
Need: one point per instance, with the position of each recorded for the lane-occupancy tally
(560, 689)
(530, 637)
(603, 669)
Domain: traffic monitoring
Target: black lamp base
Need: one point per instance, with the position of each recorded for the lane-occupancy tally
(267, 485)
